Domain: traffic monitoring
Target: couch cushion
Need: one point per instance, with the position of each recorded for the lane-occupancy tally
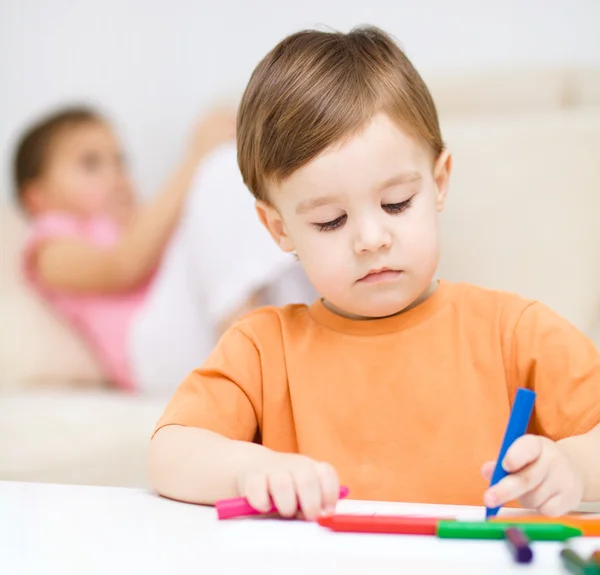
(497, 92)
(86, 437)
(584, 87)
(523, 209)
(36, 347)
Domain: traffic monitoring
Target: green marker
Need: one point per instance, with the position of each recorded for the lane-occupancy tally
(495, 530)
(576, 564)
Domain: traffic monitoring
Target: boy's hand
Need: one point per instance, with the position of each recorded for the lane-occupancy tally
(295, 483)
(543, 477)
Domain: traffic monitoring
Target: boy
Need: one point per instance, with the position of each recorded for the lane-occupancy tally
(394, 384)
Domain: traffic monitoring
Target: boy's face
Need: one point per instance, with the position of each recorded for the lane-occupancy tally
(363, 219)
(84, 174)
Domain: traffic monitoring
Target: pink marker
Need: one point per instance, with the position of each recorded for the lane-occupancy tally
(239, 506)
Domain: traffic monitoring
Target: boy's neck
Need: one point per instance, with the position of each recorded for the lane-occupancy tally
(425, 295)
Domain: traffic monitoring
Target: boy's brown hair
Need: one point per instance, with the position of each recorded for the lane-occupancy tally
(316, 88)
(33, 148)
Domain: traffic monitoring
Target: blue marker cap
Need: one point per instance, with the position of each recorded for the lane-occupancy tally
(517, 426)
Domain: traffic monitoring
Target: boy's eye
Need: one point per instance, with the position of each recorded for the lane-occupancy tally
(391, 208)
(332, 225)
(397, 208)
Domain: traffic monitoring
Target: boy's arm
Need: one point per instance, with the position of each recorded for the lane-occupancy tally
(563, 366)
(557, 466)
(199, 466)
(584, 453)
(203, 451)
(204, 437)
(68, 264)
(552, 357)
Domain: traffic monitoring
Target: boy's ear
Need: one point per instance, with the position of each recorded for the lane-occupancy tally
(271, 219)
(441, 176)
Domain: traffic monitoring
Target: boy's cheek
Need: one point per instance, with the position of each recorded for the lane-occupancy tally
(330, 281)
(420, 239)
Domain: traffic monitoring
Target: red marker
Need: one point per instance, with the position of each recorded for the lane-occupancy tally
(239, 506)
(396, 524)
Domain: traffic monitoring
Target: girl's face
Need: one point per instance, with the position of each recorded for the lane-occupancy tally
(84, 174)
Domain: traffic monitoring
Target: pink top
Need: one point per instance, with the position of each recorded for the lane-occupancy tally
(102, 320)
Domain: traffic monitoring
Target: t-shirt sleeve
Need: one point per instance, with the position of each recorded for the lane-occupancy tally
(225, 394)
(48, 227)
(558, 362)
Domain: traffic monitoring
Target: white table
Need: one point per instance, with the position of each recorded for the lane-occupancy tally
(65, 529)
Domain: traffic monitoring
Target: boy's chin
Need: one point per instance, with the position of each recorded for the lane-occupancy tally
(381, 307)
(382, 311)
(374, 310)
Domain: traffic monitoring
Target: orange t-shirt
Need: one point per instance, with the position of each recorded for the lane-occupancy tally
(405, 408)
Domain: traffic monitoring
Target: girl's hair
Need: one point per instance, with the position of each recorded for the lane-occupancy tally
(33, 147)
(315, 89)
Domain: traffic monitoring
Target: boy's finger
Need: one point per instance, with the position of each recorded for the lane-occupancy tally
(330, 486)
(539, 497)
(308, 490)
(524, 451)
(516, 485)
(282, 490)
(256, 491)
(487, 470)
(554, 506)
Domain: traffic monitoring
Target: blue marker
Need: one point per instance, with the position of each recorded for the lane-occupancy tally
(517, 426)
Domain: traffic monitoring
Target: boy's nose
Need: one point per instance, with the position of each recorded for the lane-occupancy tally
(372, 237)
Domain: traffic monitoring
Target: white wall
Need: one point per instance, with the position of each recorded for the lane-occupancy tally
(153, 65)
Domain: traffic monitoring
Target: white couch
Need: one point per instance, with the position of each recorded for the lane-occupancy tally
(523, 215)
(59, 420)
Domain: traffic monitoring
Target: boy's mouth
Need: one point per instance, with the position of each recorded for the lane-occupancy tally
(381, 275)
